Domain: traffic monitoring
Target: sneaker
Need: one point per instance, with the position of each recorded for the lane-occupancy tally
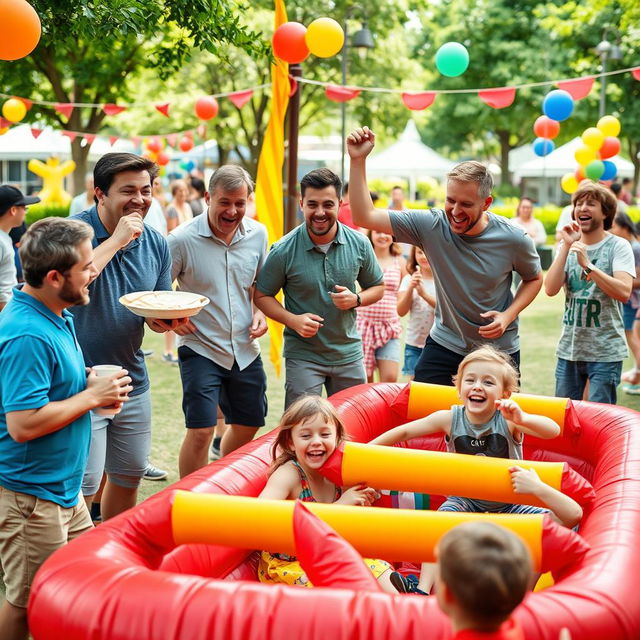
(170, 358)
(147, 352)
(214, 452)
(630, 376)
(406, 584)
(632, 389)
(153, 473)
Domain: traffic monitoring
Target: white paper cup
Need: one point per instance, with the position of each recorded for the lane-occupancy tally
(102, 370)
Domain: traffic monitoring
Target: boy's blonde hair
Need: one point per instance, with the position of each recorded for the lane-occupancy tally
(487, 569)
(302, 410)
(487, 353)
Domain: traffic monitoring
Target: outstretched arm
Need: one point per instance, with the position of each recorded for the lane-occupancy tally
(530, 423)
(438, 421)
(564, 509)
(359, 145)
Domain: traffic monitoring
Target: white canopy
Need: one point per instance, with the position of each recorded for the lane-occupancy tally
(409, 158)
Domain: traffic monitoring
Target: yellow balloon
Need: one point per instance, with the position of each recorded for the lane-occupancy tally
(3, 130)
(324, 37)
(609, 125)
(14, 110)
(585, 155)
(593, 138)
(569, 183)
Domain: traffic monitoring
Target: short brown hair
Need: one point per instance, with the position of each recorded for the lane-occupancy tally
(394, 247)
(111, 164)
(302, 410)
(472, 171)
(597, 191)
(487, 569)
(487, 353)
(51, 244)
(319, 179)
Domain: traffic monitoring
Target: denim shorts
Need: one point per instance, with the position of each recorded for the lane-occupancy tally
(603, 377)
(468, 505)
(411, 355)
(389, 351)
(628, 315)
(240, 394)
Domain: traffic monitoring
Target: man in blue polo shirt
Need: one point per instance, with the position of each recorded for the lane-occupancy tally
(130, 256)
(45, 397)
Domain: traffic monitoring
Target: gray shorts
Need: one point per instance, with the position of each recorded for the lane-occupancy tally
(119, 445)
(308, 378)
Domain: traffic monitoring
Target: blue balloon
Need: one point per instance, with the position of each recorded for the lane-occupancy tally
(543, 147)
(189, 165)
(557, 105)
(610, 170)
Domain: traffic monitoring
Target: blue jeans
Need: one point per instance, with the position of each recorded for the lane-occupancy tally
(603, 377)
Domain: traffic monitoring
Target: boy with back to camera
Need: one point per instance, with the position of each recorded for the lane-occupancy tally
(488, 423)
(483, 572)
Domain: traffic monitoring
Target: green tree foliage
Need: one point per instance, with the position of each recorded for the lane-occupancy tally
(92, 50)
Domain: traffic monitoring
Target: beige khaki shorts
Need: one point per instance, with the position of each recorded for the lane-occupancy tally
(31, 529)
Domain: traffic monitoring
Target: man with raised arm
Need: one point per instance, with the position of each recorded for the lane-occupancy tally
(473, 253)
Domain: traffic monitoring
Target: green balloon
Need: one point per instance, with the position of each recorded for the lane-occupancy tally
(452, 59)
(594, 170)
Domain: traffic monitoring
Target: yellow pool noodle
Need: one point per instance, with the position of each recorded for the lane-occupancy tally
(391, 534)
(441, 473)
(426, 398)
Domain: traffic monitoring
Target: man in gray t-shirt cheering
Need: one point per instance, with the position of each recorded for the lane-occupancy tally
(473, 254)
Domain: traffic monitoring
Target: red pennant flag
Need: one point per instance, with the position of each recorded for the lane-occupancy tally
(240, 98)
(578, 89)
(136, 141)
(636, 73)
(293, 86)
(64, 108)
(202, 131)
(35, 132)
(418, 101)
(172, 138)
(163, 108)
(189, 134)
(4, 123)
(113, 109)
(340, 94)
(27, 103)
(113, 140)
(498, 98)
(70, 134)
(89, 137)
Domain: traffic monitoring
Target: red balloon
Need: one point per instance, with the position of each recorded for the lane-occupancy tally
(289, 42)
(206, 108)
(163, 158)
(610, 147)
(580, 174)
(545, 127)
(185, 144)
(154, 144)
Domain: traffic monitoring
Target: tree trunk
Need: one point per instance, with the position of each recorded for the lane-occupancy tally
(505, 147)
(634, 150)
(80, 156)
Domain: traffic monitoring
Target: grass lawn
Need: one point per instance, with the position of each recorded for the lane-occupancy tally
(539, 331)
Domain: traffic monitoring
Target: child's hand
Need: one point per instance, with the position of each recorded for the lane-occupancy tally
(359, 495)
(525, 480)
(510, 410)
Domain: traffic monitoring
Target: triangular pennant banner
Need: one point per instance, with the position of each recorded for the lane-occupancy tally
(293, 86)
(418, 101)
(202, 131)
(498, 98)
(64, 108)
(578, 89)
(4, 123)
(340, 94)
(172, 138)
(240, 98)
(89, 137)
(113, 140)
(163, 108)
(113, 109)
(70, 134)
(27, 103)
(636, 73)
(35, 132)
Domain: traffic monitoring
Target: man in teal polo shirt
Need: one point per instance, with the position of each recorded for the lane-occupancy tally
(317, 266)
(45, 397)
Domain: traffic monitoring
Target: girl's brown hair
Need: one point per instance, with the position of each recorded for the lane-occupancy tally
(302, 410)
(412, 262)
(394, 247)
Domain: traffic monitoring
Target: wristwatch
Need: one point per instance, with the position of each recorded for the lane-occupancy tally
(358, 301)
(588, 269)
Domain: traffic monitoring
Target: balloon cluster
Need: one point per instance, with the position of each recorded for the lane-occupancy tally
(293, 42)
(154, 150)
(556, 107)
(20, 29)
(599, 144)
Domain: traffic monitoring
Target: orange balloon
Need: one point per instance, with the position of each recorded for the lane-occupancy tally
(186, 144)
(610, 147)
(206, 108)
(289, 44)
(579, 174)
(163, 158)
(19, 29)
(545, 127)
